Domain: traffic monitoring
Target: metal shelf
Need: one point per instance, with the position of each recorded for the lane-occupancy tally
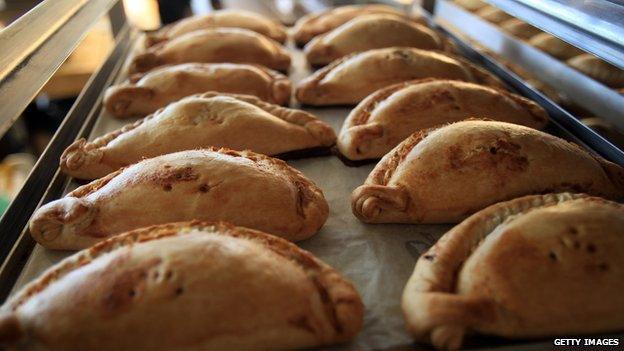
(596, 26)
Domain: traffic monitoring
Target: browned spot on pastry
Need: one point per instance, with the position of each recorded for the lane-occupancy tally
(179, 291)
(429, 257)
(126, 285)
(167, 187)
(553, 256)
(304, 196)
(330, 308)
(503, 155)
(204, 188)
(591, 248)
(382, 175)
(167, 176)
(302, 322)
(603, 267)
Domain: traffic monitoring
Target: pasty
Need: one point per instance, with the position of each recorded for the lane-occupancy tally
(446, 174)
(493, 14)
(598, 69)
(389, 115)
(533, 267)
(215, 45)
(370, 32)
(554, 46)
(243, 188)
(218, 19)
(520, 29)
(146, 93)
(238, 122)
(321, 22)
(348, 80)
(184, 286)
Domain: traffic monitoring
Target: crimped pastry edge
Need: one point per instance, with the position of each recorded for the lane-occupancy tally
(368, 106)
(343, 307)
(81, 151)
(435, 273)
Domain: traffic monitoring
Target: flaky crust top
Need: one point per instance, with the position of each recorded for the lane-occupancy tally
(222, 18)
(209, 119)
(311, 25)
(351, 78)
(341, 302)
(368, 32)
(215, 45)
(444, 298)
(444, 174)
(389, 115)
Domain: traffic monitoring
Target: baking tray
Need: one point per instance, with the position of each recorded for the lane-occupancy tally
(377, 258)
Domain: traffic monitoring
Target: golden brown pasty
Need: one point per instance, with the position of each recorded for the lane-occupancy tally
(471, 5)
(391, 114)
(598, 69)
(321, 22)
(146, 93)
(240, 122)
(350, 79)
(244, 188)
(445, 174)
(184, 286)
(537, 266)
(218, 19)
(554, 46)
(493, 14)
(371, 32)
(215, 45)
(520, 29)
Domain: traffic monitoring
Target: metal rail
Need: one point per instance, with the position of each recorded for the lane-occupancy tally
(44, 181)
(588, 93)
(35, 46)
(596, 26)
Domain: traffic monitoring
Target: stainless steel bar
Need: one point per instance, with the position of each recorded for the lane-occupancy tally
(35, 46)
(584, 91)
(45, 182)
(575, 130)
(593, 25)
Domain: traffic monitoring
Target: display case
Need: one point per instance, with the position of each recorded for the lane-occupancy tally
(378, 259)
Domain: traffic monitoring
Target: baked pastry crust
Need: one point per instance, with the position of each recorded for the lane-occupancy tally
(493, 14)
(222, 287)
(520, 29)
(349, 80)
(214, 45)
(239, 122)
(536, 266)
(598, 69)
(471, 5)
(145, 93)
(241, 187)
(444, 175)
(321, 22)
(220, 19)
(389, 115)
(554, 46)
(370, 32)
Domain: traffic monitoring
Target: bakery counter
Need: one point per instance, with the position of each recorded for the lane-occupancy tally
(377, 258)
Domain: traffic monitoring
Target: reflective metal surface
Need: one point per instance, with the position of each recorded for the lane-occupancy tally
(34, 47)
(596, 26)
(584, 91)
